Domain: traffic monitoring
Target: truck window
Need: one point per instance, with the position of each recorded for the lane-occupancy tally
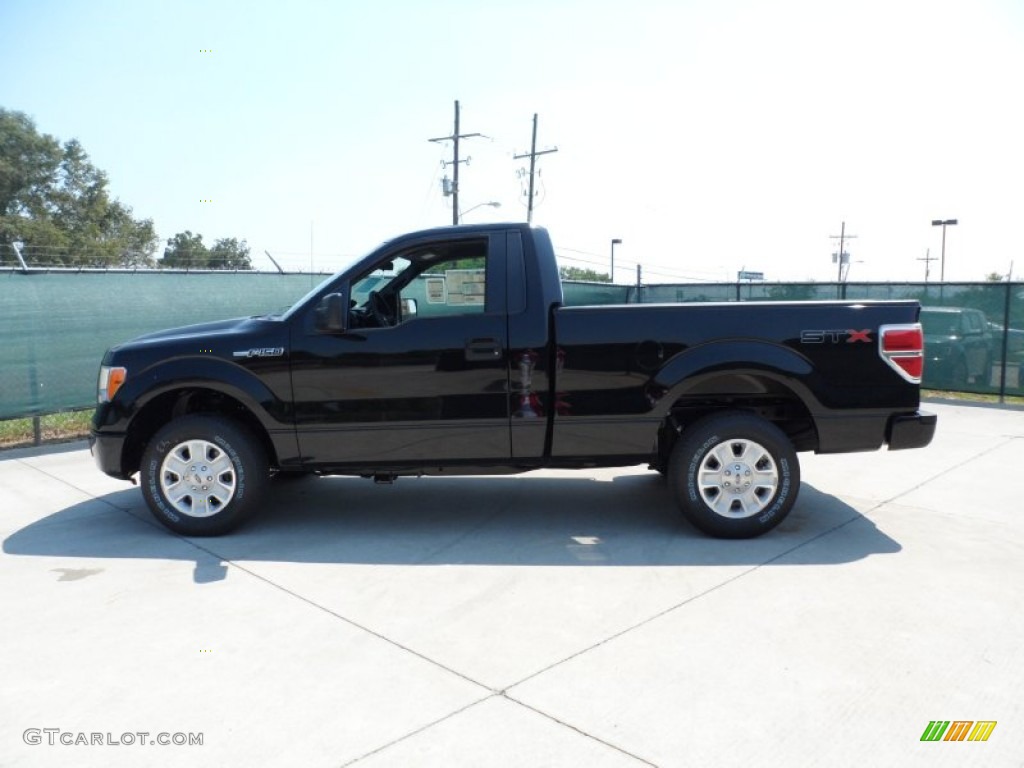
(453, 284)
(435, 280)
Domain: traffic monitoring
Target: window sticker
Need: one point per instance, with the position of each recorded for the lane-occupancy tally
(436, 293)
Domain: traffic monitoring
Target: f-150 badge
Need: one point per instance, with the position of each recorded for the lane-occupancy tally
(259, 352)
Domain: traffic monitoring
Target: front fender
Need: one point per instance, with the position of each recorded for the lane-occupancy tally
(270, 403)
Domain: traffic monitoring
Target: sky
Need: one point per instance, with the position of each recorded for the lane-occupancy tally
(710, 136)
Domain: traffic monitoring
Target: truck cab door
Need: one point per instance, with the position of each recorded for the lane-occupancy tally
(419, 373)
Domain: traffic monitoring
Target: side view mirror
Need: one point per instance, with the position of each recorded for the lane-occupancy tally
(409, 308)
(332, 313)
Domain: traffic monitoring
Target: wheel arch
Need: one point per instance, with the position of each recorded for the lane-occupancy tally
(162, 407)
(767, 380)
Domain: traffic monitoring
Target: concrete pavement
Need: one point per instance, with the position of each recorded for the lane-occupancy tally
(554, 618)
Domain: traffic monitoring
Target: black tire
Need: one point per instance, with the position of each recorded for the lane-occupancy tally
(713, 448)
(201, 475)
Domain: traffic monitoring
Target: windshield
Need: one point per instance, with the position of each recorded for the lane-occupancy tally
(312, 292)
(321, 285)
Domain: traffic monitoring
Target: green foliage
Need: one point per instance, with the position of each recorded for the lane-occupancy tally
(56, 203)
(188, 251)
(228, 253)
(475, 262)
(56, 427)
(576, 273)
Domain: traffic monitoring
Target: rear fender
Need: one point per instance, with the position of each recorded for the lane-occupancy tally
(744, 362)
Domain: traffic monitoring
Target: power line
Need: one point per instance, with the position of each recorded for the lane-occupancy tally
(600, 260)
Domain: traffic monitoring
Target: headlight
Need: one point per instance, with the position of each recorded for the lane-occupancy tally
(111, 379)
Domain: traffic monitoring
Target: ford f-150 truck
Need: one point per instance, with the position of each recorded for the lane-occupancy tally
(449, 351)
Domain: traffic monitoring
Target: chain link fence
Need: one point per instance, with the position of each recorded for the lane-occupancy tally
(57, 325)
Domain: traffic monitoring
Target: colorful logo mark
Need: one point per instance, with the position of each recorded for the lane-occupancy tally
(958, 730)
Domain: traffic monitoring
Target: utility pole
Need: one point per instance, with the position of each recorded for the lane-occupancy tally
(842, 237)
(454, 138)
(533, 154)
(927, 259)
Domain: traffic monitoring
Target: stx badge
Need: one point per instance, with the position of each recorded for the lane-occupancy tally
(850, 335)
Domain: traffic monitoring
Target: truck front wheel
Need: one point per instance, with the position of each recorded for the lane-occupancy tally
(202, 474)
(734, 475)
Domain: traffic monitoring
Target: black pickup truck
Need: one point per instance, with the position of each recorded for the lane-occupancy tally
(449, 351)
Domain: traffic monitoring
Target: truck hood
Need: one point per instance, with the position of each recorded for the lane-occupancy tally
(198, 330)
(241, 330)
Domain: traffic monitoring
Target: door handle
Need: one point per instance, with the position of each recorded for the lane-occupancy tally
(483, 350)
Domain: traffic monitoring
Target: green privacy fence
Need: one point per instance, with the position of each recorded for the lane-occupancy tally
(55, 327)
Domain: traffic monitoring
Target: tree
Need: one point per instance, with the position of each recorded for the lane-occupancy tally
(228, 253)
(576, 273)
(472, 262)
(188, 251)
(56, 202)
(994, 277)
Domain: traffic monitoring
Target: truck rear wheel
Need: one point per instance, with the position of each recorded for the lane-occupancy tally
(734, 475)
(202, 474)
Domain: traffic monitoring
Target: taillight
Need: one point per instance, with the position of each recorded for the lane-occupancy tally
(902, 348)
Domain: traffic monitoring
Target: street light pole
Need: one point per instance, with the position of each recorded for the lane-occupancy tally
(942, 264)
(492, 203)
(615, 241)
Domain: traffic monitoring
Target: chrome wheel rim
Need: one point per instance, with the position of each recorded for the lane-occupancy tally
(197, 478)
(738, 478)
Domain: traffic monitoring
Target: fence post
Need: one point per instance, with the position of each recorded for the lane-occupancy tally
(1006, 342)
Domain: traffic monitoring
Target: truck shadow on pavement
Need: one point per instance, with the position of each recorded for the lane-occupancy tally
(524, 520)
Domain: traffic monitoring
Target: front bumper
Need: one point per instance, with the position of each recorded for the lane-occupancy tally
(106, 449)
(910, 430)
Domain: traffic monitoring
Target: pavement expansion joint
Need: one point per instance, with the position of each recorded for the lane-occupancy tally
(580, 731)
(417, 731)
